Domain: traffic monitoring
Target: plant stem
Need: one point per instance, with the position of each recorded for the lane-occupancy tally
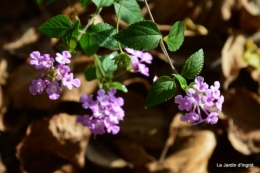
(89, 23)
(117, 24)
(97, 62)
(161, 42)
(119, 74)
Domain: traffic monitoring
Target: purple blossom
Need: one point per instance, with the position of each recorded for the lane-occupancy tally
(215, 90)
(200, 85)
(53, 90)
(84, 120)
(212, 118)
(63, 58)
(37, 86)
(36, 60)
(97, 127)
(87, 101)
(111, 127)
(146, 57)
(62, 70)
(201, 98)
(47, 61)
(137, 58)
(191, 117)
(106, 110)
(68, 81)
(184, 103)
(52, 74)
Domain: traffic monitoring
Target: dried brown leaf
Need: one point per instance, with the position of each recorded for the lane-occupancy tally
(100, 154)
(232, 58)
(51, 143)
(242, 107)
(190, 152)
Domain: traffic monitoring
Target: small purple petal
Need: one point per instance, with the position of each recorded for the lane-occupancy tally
(53, 90)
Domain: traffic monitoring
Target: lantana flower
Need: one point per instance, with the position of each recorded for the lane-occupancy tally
(54, 76)
(201, 98)
(106, 112)
(138, 57)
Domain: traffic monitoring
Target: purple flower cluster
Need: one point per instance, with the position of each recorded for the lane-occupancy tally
(54, 76)
(106, 110)
(200, 98)
(137, 58)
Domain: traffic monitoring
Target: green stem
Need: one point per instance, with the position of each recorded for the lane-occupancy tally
(119, 74)
(161, 42)
(89, 23)
(117, 24)
(97, 63)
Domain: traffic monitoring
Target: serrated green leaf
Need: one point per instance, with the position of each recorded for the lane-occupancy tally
(130, 11)
(176, 36)
(161, 90)
(119, 86)
(90, 73)
(182, 81)
(143, 35)
(56, 27)
(71, 36)
(88, 45)
(193, 65)
(102, 3)
(102, 33)
(84, 2)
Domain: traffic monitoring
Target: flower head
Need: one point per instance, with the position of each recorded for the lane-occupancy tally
(106, 109)
(200, 98)
(137, 58)
(53, 75)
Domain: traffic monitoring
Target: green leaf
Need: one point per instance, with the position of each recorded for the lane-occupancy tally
(130, 11)
(88, 45)
(182, 81)
(71, 36)
(119, 86)
(108, 64)
(143, 35)
(176, 36)
(90, 73)
(102, 33)
(193, 65)
(102, 3)
(84, 2)
(56, 27)
(161, 90)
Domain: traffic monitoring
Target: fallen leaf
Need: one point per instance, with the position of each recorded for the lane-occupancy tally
(51, 143)
(242, 108)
